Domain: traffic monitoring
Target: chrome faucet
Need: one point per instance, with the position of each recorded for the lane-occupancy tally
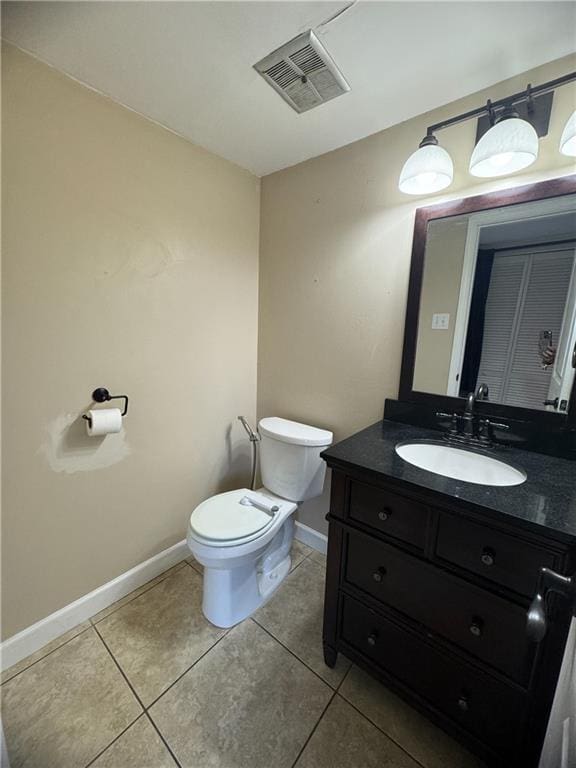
(470, 403)
(467, 428)
(482, 392)
(468, 417)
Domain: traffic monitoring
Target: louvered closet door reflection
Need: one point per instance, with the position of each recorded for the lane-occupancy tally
(499, 323)
(527, 295)
(543, 309)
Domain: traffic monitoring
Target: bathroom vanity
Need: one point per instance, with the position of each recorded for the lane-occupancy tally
(430, 578)
(429, 581)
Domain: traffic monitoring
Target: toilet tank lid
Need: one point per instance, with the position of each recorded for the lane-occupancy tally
(293, 432)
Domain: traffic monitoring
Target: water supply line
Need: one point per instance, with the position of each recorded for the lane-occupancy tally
(254, 439)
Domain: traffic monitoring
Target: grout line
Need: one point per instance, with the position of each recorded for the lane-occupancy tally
(139, 700)
(295, 567)
(143, 592)
(226, 633)
(313, 731)
(168, 747)
(307, 554)
(196, 571)
(290, 572)
(49, 653)
(292, 653)
(173, 683)
(120, 669)
(316, 565)
(114, 740)
(378, 728)
(341, 683)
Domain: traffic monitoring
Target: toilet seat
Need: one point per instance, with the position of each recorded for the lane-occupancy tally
(223, 520)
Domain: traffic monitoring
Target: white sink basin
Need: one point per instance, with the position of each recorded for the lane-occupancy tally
(459, 463)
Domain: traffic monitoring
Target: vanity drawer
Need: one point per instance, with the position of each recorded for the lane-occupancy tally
(486, 626)
(490, 553)
(489, 709)
(394, 515)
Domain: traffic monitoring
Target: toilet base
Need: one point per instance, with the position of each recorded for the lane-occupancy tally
(230, 595)
(269, 582)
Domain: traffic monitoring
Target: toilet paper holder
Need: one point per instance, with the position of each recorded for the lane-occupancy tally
(102, 395)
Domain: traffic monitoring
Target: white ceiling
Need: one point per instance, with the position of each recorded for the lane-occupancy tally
(561, 226)
(188, 65)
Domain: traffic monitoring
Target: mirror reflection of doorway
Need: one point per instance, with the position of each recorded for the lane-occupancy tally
(497, 306)
(520, 302)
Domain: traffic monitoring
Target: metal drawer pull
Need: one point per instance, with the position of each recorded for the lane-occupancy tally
(371, 639)
(463, 703)
(488, 556)
(477, 626)
(379, 574)
(548, 581)
(384, 514)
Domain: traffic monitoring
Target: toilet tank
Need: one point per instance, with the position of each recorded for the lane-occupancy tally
(290, 462)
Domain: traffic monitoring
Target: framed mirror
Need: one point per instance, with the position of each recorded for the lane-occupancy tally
(492, 304)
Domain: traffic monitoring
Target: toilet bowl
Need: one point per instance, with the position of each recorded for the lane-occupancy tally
(243, 538)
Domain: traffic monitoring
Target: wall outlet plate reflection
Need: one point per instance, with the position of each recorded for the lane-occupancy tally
(440, 321)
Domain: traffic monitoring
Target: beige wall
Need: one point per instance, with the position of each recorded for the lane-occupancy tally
(130, 261)
(335, 247)
(443, 263)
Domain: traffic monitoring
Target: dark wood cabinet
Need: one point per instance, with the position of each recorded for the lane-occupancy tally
(500, 557)
(431, 598)
(391, 514)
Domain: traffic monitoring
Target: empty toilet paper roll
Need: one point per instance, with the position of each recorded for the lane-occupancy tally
(103, 421)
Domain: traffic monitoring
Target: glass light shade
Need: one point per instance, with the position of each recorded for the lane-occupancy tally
(427, 170)
(568, 138)
(508, 146)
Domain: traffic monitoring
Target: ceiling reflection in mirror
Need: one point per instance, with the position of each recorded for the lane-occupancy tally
(498, 305)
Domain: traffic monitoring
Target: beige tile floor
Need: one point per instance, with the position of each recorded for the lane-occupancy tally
(149, 683)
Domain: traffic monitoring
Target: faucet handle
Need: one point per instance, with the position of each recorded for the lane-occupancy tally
(453, 421)
(496, 424)
(486, 434)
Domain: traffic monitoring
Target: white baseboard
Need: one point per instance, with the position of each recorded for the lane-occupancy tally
(314, 539)
(31, 639)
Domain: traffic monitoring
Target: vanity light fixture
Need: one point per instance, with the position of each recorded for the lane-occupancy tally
(507, 139)
(510, 145)
(427, 170)
(568, 139)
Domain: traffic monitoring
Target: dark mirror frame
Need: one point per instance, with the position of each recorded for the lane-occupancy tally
(539, 191)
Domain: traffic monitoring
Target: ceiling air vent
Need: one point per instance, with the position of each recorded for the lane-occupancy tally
(303, 73)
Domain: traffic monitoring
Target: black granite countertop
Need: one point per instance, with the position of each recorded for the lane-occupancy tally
(546, 499)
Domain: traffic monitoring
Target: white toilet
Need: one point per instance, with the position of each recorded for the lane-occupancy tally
(243, 538)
